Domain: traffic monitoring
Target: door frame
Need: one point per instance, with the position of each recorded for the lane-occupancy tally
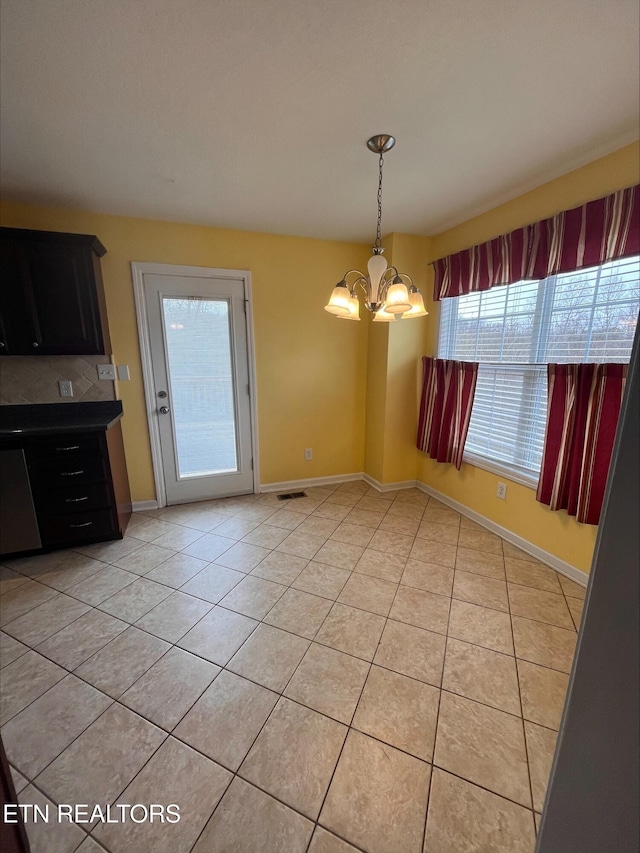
(138, 271)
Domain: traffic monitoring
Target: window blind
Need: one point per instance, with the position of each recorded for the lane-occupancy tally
(515, 330)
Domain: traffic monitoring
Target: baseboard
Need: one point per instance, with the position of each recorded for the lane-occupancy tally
(539, 554)
(389, 487)
(140, 506)
(289, 485)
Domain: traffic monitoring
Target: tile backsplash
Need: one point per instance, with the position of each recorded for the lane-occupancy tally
(34, 379)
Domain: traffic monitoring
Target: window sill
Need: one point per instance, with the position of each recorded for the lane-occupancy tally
(502, 470)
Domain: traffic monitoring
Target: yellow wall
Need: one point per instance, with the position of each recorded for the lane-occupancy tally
(555, 532)
(311, 369)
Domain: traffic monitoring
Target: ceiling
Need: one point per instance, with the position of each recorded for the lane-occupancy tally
(253, 114)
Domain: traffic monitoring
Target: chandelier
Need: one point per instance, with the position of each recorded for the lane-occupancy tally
(386, 294)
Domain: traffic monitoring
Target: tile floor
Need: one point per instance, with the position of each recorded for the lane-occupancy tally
(346, 671)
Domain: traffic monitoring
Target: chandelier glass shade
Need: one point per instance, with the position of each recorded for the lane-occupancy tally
(387, 293)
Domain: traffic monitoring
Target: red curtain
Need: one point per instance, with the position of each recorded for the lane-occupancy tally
(582, 415)
(586, 236)
(445, 408)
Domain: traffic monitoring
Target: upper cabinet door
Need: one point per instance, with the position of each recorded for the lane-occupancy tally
(53, 299)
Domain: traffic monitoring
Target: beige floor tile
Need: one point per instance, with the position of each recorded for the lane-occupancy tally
(174, 616)
(318, 526)
(427, 576)
(46, 619)
(102, 585)
(464, 818)
(22, 599)
(152, 529)
(212, 583)
(11, 580)
(145, 559)
(118, 743)
(256, 512)
(10, 649)
(421, 609)
(328, 681)
(343, 499)
(544, 644)
(179, 538)
(209, 547)
(49, 837)
(236, 528)
(539, 605)
(481, 674)
(253, 597)
(242, 557)
(405, 510)
(280, 568)
(120, 663)
(481, 625)
(218, 635)
(543, 692)
(377, 564)
(301, 545)
(39, 564)
(175, 774)
(476, 589)
(325, 842)
(484, 746)
(378, 797)
(480, 540)
(299, 612)
(353, 534)
(286, 519)
(439, 514)
(45, 728)
(294, 756)
(332, 510)
(74, 570)
(226, 719)
(367, 593)
(571, 588)
(110, 551)
(267, 825)
(350, 630)
(480, 563)
(205, 520)
(23, 680)
(339, 554)
(444, 533)
(399, 711)
(269, 657)
(19, 781)
(365, 517)
(430, 551)
(170, 687)
(412, 651)
(266, 536)
(136, 599)
(78, 641)
(399, 524)
(373, 503)
(541, 746)
(392, 542)
(576, 606)
(529, 573)
(326, 581)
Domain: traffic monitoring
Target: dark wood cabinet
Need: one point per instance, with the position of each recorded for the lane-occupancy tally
(52, 296)
(80, 487)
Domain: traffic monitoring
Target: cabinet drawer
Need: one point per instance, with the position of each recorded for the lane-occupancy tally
(78, 527)
(80, 498)
(46, 450)
(71, 471)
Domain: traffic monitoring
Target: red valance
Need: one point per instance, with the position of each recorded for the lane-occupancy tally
(586, 236)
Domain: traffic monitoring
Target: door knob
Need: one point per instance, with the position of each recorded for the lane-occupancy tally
(164, 410)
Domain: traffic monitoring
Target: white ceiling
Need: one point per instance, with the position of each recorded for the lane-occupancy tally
(254, 114)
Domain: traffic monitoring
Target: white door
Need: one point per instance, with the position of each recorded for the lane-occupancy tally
(198, 347)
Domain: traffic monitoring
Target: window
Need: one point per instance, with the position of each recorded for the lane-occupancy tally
(514, 331)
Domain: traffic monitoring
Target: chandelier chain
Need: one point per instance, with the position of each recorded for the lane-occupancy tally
(378, 242)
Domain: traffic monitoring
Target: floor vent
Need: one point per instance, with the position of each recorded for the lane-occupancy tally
(291, 495)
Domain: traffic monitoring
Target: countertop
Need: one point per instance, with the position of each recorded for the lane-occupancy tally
(53, 418)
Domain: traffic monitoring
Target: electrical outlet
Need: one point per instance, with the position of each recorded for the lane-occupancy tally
(502, 491)
(123, 372)
(66, 388)
(308, 454)
(106, 371)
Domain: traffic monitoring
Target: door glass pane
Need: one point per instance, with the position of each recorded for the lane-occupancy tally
(201, 385)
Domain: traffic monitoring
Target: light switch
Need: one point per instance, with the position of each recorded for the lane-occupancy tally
(123, 372)
(106, 371)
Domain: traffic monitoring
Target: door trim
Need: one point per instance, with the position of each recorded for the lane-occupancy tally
(138, 271)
